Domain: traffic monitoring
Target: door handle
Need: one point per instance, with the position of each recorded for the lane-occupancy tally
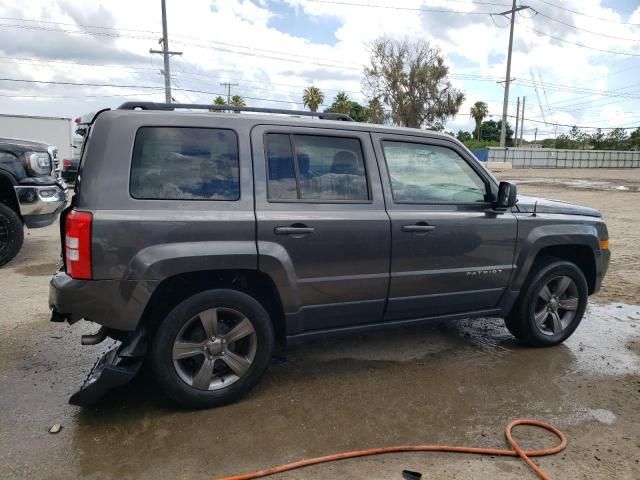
(420, 227)
(294, 230)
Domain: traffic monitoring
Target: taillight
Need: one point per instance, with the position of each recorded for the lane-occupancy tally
(66, 163)
(77, 243)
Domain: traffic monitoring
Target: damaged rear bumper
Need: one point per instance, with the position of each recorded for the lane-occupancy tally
(117, 367)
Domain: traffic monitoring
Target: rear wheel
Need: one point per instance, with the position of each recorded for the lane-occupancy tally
(11, 234)
(551, 305)
(212, 348)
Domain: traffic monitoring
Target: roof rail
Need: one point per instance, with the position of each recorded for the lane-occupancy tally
(218, 108)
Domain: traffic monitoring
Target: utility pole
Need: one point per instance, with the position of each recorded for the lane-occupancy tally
(166, 53)
(522, 120)
(535, 137)
(228, 85)
(505, 105)
(515, 135)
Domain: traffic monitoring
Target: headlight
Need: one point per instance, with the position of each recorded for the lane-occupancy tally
(38, 162)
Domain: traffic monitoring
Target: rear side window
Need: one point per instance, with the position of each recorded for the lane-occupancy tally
(176, 163)
(315, 168)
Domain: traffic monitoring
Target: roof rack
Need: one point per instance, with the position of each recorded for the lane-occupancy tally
(218, 108)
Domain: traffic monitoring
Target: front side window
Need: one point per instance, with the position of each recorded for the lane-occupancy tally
(315, 168)
(175, 163)
(431, 174)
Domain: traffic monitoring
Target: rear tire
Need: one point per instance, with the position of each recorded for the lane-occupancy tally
(551, 304)
(11, 234)
(212, 348)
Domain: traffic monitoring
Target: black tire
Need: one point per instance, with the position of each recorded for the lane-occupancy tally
(521, 321)
(168, 374)
(11, 234)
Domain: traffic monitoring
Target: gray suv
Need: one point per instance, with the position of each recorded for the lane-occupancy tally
(199, 240)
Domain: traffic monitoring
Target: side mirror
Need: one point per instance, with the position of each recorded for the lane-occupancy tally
(507, 194)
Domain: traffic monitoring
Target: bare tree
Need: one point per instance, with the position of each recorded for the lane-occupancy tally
(411, 79)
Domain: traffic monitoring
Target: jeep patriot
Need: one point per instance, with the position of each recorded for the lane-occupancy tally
(200, 240)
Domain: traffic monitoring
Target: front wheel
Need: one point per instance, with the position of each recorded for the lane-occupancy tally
(212, 348)
(11, 234)
(551, 305)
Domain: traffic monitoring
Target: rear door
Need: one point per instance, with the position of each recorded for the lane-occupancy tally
(448, 254)
(321, 218)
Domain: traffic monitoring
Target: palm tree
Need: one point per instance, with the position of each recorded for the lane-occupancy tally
(375, 111)
(238, 101)
(312, 98)
(219, 101)
(342, 103)
(478, 112)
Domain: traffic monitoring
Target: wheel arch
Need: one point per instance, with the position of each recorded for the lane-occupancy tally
(177, 288)
(576, 243)
(7, 192)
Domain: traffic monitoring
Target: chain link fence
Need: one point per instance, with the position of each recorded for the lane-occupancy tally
(556, 158)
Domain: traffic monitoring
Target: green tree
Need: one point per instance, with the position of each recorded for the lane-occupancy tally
(219, 101)
(375, 111)
(617, 139)
(479, 112)
(348, 107)
(238, 101)
(411, 78)
(634, 139)
(491, 131)
(342, 103)
(597, 139)
(437, 126)
(312, 97)
(464, 136)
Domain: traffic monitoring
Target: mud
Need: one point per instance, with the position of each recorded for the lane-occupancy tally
(446, 382)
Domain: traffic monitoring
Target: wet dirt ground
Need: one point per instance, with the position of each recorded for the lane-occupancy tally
(445, 382)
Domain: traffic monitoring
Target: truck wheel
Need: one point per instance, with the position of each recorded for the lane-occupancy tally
(551, 304)
(11, 234)
(212, 348)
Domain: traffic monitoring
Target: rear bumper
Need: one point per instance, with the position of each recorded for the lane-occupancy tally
(115, 304)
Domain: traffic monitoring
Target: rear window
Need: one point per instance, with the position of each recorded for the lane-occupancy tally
(176, 163)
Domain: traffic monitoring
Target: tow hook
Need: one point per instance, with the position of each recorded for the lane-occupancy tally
(96, 338)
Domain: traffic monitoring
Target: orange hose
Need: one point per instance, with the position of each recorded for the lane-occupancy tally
(516, 452)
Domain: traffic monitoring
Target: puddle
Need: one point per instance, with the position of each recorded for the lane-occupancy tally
(605, 185)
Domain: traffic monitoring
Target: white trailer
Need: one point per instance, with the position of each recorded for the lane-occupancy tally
(54, 131)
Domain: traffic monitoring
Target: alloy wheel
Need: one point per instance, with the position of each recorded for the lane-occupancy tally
(214, 349)
(556, 305)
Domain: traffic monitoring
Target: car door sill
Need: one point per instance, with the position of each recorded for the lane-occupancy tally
(367, 327)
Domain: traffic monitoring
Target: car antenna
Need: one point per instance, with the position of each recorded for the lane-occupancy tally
(535, 209)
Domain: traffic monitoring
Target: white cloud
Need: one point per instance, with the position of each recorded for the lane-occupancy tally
(232, 40)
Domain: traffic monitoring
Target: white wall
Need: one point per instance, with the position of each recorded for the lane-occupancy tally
(51, 130)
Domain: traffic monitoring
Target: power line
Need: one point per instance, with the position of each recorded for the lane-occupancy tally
(584, 29)
(580, 44)
(587, 15)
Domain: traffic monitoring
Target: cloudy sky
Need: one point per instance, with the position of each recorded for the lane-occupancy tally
(274, 48)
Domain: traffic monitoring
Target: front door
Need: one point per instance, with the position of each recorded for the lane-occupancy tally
(322, 228)
(449, 255)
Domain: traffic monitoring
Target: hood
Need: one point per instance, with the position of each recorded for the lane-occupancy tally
(527, 204)
(24, 145)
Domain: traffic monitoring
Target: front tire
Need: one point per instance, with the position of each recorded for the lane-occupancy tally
(11, 234)
(551, 304)
(212, 348)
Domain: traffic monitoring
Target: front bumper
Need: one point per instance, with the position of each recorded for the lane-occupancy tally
(40, 204)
